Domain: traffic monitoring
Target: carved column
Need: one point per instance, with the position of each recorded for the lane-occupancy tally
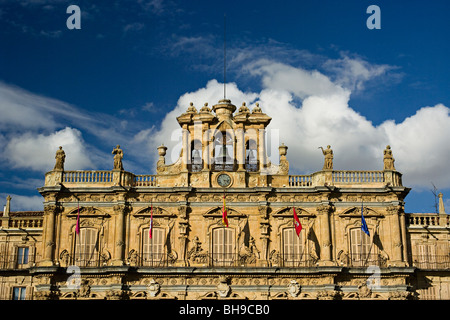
(182, 237)
(186, 149)
(49, 235)
(264, 225)
(206, 147)
(397, 245)
(325, 236)
(120, 243)
(405, 242)
(240, 148)
(261, 147)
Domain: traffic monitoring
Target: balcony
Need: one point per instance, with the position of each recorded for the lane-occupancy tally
(16, 262)
(431, 262)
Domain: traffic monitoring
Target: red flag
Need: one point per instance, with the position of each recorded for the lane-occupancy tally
(297, 224)
(224, 213)
(151, 222)
(77, 227)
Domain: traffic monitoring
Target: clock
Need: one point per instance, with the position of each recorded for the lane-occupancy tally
(223, 180)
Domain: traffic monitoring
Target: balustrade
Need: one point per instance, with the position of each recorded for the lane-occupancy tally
(428, 219)
(87, 176)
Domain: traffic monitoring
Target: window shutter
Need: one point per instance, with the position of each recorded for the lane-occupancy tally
(292, 247)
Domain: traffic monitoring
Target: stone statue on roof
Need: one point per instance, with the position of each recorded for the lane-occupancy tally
(60, 158)
(328, 153)
(388, 159)
(118, 156)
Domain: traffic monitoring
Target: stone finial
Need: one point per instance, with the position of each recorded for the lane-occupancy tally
(205, 108)
(441, 203)
(162, 150)
(191, 108)
(257, 109)
(282, 150)
(244, 108)
(7, 208)
(60, 159)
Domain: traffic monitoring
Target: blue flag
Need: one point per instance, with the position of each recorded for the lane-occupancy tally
(363, 223)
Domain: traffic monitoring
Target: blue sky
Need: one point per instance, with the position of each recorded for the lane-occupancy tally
(313, 66)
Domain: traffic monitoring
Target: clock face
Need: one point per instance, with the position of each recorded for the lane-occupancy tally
(223, 180)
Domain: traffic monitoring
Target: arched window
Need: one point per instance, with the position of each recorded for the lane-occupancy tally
(196, 156)
(86, 248)
(223, 151)
(251, 159)
(293, 255)
(153, 250)
(223, 244)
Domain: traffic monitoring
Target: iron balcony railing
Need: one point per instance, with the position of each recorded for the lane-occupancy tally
(155, 260)
(431, 262)
(88, 260)
(294, 260)
(365, 260)
(14, 261)
(362, 260)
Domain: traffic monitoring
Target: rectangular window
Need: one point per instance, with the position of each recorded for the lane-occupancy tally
(19, 293)
(86, 249)
(22, 255)
(360, 248)
(223, 247)
(426, 258)
(153, 249)
(293, 248)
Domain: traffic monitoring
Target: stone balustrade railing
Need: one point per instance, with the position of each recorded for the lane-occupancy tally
(145, 180)
(93, 176)
(347, 178)
(428, 220)
(99, 178)
(320, 178)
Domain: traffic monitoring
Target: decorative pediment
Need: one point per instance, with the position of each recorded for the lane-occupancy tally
(217, 212)
(356, 212)
(288, 212)
(157, 212)
(88, 212)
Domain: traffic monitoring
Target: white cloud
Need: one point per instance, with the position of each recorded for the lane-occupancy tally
(310, 110)
(136, 26)
(302, 83)
(23, 203)
(21, 109)
(37, 151)
(354, 72)
(421, 146)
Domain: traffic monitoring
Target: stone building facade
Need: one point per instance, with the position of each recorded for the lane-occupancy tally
(92, 240)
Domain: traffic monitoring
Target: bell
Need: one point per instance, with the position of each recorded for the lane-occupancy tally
(223, 154)
(251, 156)
(196, 156)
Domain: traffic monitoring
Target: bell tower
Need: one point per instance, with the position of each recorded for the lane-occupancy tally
(219, 140)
